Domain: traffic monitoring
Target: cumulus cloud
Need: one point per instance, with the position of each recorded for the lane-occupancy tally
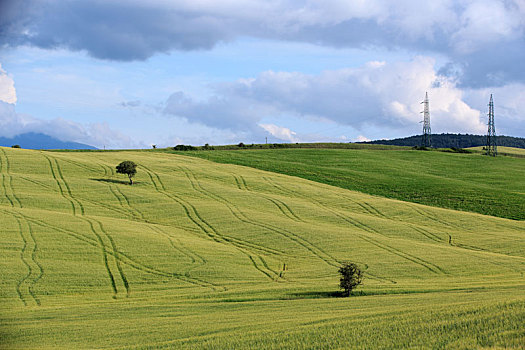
(508, 107)
(280, 132)
(7, 87)
(462, 30)
(362, 138)
(378, 95)
(96, 134)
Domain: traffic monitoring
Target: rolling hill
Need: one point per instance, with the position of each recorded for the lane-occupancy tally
(199, 254)
(469, 182)
(453, 140)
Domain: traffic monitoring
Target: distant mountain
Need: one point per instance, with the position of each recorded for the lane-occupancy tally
(33, 140)
(453, 140)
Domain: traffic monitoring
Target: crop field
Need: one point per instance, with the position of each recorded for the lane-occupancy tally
(508, 151)
(469, 182)
(198, 254)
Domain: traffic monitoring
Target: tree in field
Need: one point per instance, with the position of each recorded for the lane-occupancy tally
(129, 168)
(351, 277)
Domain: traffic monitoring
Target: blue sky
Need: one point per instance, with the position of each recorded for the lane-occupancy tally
(126, 74)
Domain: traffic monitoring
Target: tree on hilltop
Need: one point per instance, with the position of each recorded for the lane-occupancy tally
(129, 168)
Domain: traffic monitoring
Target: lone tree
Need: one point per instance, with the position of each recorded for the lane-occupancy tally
(351, 277)
(129, 168)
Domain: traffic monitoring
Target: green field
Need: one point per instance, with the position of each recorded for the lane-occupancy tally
(506, 151)
(469, 182)
(198, 254)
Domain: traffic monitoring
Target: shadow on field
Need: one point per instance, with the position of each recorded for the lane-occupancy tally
(124, 182)
(319, 295)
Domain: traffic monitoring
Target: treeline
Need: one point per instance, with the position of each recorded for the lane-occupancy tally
(453, 141)
(320, 145)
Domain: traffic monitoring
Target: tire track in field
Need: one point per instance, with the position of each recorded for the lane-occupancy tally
(78, 210)
(367, 207)
(210, 231)
(241, 184)
(370, 209)
(196, 259)
(205, 227)
(474, 249)
(109, 207)
(96, 228)
(215, 235)
(79, 164)
(125, 203)
(121, 198)
(125, 259)
(433, 217)
(7, 181)
(97, 203)
(428, 234)
(282, 206)
(4, 182)
(315, 250)
(35, 271)
(356, 223)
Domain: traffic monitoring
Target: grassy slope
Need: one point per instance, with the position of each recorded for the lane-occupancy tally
(470, 182)
(507, 151)
(202, 254)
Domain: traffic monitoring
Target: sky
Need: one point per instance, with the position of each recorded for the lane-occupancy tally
(130, 74)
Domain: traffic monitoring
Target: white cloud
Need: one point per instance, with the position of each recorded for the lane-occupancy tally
(508, 107)
(385, 95)
(486, 22)
(280, 132)
(7, 87)
(361, 138)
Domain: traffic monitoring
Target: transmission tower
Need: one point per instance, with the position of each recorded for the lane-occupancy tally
(426, 139)
(492, 147)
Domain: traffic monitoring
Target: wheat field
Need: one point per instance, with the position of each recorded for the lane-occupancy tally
(198, 254)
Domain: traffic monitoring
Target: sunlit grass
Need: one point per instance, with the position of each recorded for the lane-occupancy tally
(199, 254)
(468, 182)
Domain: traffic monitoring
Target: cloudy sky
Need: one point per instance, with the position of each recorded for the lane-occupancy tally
(130, 73)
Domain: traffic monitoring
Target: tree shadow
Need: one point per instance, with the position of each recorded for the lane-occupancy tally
(333, 294)
(113, 181)
(319, 295)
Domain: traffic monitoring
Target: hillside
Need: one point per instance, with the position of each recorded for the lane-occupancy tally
(469, 182)
(503, 151)
(453, 140)
(198, 254)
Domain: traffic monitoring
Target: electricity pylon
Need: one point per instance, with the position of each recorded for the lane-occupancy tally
(492, 147)
(426, 138)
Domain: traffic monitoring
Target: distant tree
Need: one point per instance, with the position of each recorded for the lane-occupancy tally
(129, 168)
(154, 146)
(351, 277)
(184, 148)
(240, 144)
(15, 146)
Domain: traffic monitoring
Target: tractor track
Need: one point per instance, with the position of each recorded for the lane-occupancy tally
(111, 249)
(283, 207)
(124, 258)
(356, 223)
(209, 230)
(7, 180)
(108, 250)
(28, 255)
(196, 259)
(315, 250)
